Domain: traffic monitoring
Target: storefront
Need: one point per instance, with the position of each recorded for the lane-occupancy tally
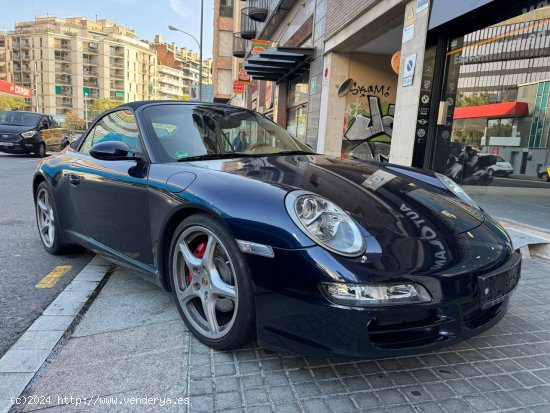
(488, 67)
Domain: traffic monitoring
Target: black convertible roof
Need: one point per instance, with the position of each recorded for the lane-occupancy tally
(140, 103)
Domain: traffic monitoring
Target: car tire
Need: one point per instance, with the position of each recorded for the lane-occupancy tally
(545, 178)
(204, 263)
(41, 150)
(46, 216)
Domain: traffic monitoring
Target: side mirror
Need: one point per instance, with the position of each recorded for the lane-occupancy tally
(113, 151)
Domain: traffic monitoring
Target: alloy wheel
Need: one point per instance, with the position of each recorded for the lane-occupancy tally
(45, 217)
(205, 283)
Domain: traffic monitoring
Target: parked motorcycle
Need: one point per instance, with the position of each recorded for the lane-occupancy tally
(469, 168)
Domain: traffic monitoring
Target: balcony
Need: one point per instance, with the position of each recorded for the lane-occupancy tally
(62, 45)
(21, 56)
(116, 74)
(63, 80)
(116, 51)
(257, 10)
(88, 59)
(249, 27)
(62, 57)
(64, 69)
(239, 47)
(116, 62)
(63, 91)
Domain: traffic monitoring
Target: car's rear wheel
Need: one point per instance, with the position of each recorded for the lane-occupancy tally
(46, 219)
(211, 283)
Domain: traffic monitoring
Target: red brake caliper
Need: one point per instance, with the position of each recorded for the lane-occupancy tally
(199, 253)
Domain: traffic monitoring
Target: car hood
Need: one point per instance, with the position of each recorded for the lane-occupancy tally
(381, 197)
(10, 129)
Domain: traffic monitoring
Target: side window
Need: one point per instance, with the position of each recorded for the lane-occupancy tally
(117, 126)
(44, 123)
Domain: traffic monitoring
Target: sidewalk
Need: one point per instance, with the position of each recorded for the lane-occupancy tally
(132, 343)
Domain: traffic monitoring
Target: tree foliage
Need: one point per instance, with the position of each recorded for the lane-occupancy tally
(470, 136)
(12, 103)
(472, 99)
(98, 106)
(73, 121)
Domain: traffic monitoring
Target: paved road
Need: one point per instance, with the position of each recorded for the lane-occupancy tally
(520, 183)
(24, 262)
(531, 210)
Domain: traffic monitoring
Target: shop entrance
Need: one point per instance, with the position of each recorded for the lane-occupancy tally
(491, 121)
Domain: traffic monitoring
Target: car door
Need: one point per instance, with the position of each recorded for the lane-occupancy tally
(110, 196)
(44, 127)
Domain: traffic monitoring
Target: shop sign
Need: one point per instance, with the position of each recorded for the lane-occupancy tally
(259, 46)
(408, 70)
(268, 95)
(422, 5)
(14, 89)
(238, 87)
(243, 76)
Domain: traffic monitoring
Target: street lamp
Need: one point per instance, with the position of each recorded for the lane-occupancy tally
(86, 108)
(199, 43)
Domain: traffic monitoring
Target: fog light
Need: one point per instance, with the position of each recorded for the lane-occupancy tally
(378, 294)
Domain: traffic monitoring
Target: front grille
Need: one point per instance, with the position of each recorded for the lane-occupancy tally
(405, 330)
(9, 137)
(474, 316)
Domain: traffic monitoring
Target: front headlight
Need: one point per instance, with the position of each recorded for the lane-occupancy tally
(376, 294)
(457, 190)
(325, 223)
(28, 134)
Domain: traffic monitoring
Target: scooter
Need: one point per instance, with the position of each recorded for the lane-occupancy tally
(467, 173)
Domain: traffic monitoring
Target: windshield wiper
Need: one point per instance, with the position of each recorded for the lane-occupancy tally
(292, 153)
(214, 156)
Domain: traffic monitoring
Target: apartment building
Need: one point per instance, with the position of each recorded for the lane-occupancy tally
(222, 65)
(178, 69)
(70, 62)
(3, 57)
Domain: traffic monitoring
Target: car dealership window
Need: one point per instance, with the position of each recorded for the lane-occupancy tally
(117, 126)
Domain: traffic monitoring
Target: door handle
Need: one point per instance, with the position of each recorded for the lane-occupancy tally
(74, 179)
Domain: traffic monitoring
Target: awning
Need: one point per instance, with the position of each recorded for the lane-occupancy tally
(279, 64)
(495, 110)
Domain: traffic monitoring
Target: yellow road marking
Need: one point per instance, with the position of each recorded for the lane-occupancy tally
(52, 278)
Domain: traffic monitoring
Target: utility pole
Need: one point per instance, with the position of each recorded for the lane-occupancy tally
(200, 52)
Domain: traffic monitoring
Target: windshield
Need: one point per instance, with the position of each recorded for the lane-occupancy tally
(181, 132)
(15, 118)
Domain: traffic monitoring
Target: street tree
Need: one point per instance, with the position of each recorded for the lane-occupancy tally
(472, 99)
(98, 106)
(73, 121)
(12, 103)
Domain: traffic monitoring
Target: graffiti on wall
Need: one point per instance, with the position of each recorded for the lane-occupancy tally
(369, 125)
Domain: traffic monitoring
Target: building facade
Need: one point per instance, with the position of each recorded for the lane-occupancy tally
(178, 69)
(413, 82)
(223, 36)
(70, 62)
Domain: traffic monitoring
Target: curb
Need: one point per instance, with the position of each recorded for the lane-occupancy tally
(27, 357)
(540, 248)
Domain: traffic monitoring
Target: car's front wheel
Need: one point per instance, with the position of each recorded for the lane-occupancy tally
(545, 177)
(41, 150)
(211, 283)
(48, 224)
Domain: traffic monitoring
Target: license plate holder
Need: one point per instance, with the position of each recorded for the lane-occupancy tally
(6, 143)
(495, 287)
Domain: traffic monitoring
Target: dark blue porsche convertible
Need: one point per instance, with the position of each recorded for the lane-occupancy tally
(255, 235)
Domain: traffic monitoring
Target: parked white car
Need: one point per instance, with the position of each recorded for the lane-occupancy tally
(501, 166)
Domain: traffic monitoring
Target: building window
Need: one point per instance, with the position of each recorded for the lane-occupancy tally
(298, 98)
(226, 8)
(500, 127)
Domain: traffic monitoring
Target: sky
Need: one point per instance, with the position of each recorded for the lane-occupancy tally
(146, 17)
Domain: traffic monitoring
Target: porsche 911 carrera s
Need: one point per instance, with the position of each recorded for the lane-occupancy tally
(258, 237)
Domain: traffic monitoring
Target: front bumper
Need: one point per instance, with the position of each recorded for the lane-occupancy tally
(294, 316)
(18, 147)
